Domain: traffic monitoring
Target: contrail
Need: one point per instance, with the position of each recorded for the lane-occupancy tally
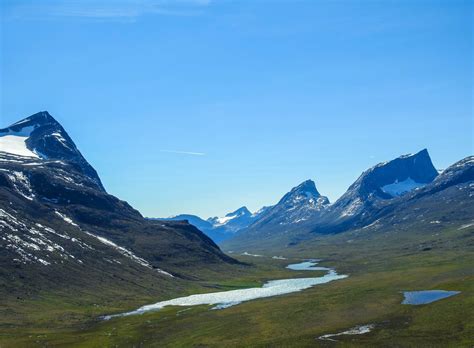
(185, 152)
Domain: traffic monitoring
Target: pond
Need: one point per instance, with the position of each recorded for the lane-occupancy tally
(426, 296)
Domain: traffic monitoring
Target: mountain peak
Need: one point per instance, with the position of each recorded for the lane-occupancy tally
(41, 118)
(301, 204)
(417, 167)
(386, 180)
(306, 189)
(421, 153)
(239, 212)
(307, 186)
(242, 212)
(41, 136)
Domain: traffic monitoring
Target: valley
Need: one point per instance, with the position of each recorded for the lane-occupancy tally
(372, 294)
(82, 268)
(236, 174)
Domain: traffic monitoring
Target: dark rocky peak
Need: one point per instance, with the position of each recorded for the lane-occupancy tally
(396, 177)
(307, 186)
(305, 190)
(382, 183)
(41, 118)
(45, 138)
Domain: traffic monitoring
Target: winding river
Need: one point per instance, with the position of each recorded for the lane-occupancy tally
(224, 299)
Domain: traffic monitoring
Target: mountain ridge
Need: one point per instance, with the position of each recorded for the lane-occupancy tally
(219, 228)
(365, 200)
(56, 220)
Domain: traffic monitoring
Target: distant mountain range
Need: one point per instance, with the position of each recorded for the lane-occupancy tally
(220, 228)
(58, 225)
(303, 211)
(405, 191)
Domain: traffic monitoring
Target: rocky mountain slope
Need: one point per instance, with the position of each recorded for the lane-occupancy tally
(375, 187)
(59, 227)
(295, 208)
(447, 201)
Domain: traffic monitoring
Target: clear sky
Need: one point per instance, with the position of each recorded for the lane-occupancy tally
(204, 106)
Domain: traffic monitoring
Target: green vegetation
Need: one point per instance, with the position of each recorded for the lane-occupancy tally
(381, 265)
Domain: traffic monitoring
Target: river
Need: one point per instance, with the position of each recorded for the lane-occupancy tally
(224, 299)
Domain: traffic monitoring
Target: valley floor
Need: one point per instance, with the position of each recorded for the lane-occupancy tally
(371, 295)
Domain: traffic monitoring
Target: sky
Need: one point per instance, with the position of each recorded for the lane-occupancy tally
(203, 106)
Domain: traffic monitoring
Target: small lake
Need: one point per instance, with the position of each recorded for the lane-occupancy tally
(224, 299)
(426, 296)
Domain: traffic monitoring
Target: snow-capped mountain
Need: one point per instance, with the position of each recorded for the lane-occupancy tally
(233, 221)
(221, 228)
(382, 182)
(40, 136)
(446, 201)
(297, 206)
(56, 219)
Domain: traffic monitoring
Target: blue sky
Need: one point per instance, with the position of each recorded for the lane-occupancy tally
(204, 106)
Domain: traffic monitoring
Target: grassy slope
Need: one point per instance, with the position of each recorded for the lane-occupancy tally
(391, 262)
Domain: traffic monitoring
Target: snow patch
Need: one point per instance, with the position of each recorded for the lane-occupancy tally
(21, 183)
(220, 221)
(127, 253)
(399, 188)
(466, 226)
(59, 137)
(253, 255)
(16, 145)
(352, 208)
(358, 330)
(65, 218)
(32, 240)
(225, 219)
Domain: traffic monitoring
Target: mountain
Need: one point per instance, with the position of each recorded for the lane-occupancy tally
(60, 229)
(448, 201)
(407, 191)
(233, 221)
(300, 204)
(377, 186)
(202, 225)
(220, 228)
(303, 202)
(41, 136)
